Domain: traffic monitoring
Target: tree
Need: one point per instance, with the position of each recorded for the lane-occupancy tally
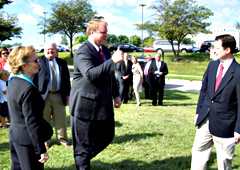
(174, 20)
(188, 41)
(11, 45)
(64, 40)
(4, 2)
(68, 18)
(111, 39)
(135, 40)
(122, 39)
(148, 41)
(8, 27)
(80, 39)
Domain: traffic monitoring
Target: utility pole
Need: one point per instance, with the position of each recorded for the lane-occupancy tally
(143, 5)
(44, 24)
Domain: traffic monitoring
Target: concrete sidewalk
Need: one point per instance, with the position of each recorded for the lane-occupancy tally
(183, 85)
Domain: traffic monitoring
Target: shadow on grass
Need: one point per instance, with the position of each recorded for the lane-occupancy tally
(4, 146)
(172, 163)
(134, 137)
(175, 95)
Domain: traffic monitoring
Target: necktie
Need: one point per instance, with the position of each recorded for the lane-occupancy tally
(126, 63)
(145, 72)
(158, 69)
(101, 54)
(219, 77)
(54, 77)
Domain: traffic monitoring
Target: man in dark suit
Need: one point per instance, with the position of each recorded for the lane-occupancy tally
(157, 72)
(218, 113)
(124, 76)
(146, 83)
(91, 100)
(53, 82)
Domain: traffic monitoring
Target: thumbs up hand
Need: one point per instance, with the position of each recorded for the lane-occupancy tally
(117, 56)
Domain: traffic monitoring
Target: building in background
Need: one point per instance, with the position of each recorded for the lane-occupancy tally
(232, 28)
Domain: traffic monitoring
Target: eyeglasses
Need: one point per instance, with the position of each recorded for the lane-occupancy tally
(36, 61)
(5, 53)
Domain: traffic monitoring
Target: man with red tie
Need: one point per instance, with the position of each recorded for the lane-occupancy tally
(91, 99)
(218, 109)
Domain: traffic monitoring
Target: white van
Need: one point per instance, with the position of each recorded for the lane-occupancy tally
(164, 45)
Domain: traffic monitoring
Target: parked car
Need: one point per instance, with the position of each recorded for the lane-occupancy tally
(39, 48)
(164, 45)
(196, 49)
(148, 49)
(204, 48)
(125, 48)
(75, 47)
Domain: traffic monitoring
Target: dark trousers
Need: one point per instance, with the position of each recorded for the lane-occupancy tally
(24, 157)
(147, 90)
(157, 89)
(123, 90)
(89, 138)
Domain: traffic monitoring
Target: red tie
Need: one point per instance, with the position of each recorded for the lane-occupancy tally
(101, 54)
(219, 77)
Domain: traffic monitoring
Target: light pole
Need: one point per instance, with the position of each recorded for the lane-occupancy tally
(143, 5)
(44, 24)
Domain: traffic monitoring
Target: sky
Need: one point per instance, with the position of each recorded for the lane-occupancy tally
(121, 16)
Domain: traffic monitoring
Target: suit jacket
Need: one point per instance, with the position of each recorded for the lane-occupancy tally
(153, 77)
(93, 84)
(221, 106)
(123, 71)
(28, 127)
(42, 78)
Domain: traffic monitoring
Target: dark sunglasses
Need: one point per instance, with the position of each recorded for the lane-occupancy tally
(5, 53)
(36, 61)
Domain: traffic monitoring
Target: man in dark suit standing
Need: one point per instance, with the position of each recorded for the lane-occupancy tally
(124, 76)
(53, 82)
(91, 100)
(218, 113)
(146, 76)
(157, 72)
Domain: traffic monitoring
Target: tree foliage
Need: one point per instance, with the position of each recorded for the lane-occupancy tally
(122, 39)
(8, 27)
(80, 39)
(188, 41)
(4, 2)
(111, 39)
(174, 20)
(135, 40)
(148, 41)
(64, 40)
(68, 18)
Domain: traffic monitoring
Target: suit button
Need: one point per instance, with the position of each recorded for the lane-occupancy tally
(212, 101)
(208, 109)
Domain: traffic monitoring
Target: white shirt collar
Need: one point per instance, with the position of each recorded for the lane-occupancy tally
(96, 47)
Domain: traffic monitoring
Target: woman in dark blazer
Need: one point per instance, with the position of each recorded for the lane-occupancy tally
(28, 130)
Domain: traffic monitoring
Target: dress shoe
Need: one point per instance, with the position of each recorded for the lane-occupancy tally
(47, 147)
(138, 104)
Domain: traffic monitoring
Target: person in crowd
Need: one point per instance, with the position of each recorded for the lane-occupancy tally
(146, 79)
(157, 72)
(3, 98)
(218, 115)
(137, 79)
(53, 82)
(124, 75)
(93, 89)
(28, 130)
(3, 59)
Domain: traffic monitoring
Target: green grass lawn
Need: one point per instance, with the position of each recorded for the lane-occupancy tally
(191, 64)
(147, 138)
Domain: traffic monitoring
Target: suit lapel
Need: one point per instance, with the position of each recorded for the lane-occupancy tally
(94, 51)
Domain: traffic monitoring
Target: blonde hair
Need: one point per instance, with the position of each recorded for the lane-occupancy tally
(93, 25)
(19, 56)
(4, 73)
(133, 57)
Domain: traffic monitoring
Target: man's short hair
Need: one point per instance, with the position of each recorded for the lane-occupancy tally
(227, 41)
(93, 25)
(158, 54)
